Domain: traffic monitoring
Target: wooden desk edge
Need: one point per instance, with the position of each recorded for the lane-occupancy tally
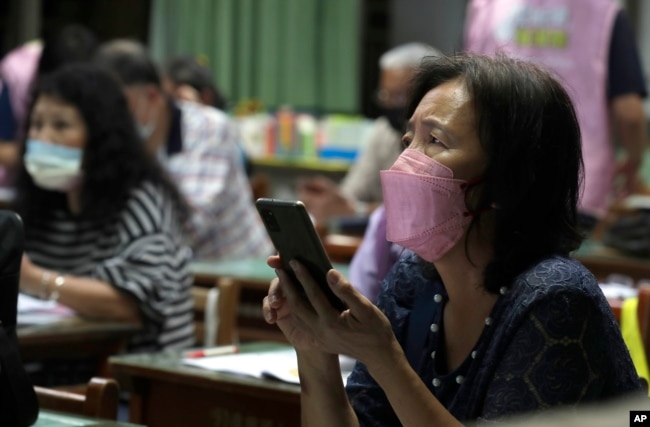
(126, 371)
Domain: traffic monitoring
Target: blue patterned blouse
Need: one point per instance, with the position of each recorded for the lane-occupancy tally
(551, 340)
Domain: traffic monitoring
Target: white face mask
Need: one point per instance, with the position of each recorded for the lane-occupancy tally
(53, 167)
(145, 131)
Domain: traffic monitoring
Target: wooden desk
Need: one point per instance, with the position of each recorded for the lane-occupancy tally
(166, 393)
(603, 261)
(74, 338)
(56, 419)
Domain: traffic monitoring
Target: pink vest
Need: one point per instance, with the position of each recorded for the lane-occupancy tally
(571, 38)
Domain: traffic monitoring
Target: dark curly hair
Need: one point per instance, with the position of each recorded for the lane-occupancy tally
(528, 128)
(115, 160)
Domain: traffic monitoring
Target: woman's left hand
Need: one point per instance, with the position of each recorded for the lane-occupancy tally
(362, 331)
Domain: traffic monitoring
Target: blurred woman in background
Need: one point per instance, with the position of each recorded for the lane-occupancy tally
(102, 221)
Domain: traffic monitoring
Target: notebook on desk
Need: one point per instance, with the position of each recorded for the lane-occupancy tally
(280, 364)
(34, 311)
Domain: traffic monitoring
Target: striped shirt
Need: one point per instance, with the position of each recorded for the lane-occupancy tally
(143, 255)
(208, 170)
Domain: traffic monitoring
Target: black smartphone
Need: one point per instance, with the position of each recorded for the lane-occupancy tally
(294, 237)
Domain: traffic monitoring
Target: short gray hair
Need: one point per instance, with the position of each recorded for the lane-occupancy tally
(408, 55)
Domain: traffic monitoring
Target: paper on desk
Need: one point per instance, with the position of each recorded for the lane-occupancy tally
(34, 311)
(277, 364)
(53, 419)
(281, 363)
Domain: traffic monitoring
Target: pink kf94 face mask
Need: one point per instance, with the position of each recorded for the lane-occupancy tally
(425, 205)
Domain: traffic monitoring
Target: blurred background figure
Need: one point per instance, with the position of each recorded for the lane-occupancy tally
(590, 45)
(102, 220)
(19, 70)
(199, 147)
(360, 191)
(185, 78)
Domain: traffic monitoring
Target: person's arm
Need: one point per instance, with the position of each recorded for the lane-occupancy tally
(322, 399)
(9, 153)
(324, 403)
(152, 265)
(319, 333)
(626, 89)
(365, 267)
(630, 127)
(359, 192)
(87, 296)
(147, 280)
(410, 399)
(324, 199)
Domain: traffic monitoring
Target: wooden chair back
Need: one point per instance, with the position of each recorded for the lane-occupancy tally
(239, 309)
(341, 247)
(100, 399)
(248, 319)
(215, 319)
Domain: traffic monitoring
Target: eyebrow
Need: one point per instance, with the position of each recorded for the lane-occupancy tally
(52, 117)
(434, 123)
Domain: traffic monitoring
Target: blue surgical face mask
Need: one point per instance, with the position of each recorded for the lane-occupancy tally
(53, 167)
(145, 130)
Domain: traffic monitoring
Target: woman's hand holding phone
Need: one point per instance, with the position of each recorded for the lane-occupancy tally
(294, 237)
(311, 323)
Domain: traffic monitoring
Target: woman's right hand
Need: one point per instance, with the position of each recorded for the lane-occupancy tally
(273, 301)
(277, 310)
(312, 324)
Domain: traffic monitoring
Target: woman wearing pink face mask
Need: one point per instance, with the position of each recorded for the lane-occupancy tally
(489, 317)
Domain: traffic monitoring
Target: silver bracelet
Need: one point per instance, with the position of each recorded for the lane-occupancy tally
(59, 281)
